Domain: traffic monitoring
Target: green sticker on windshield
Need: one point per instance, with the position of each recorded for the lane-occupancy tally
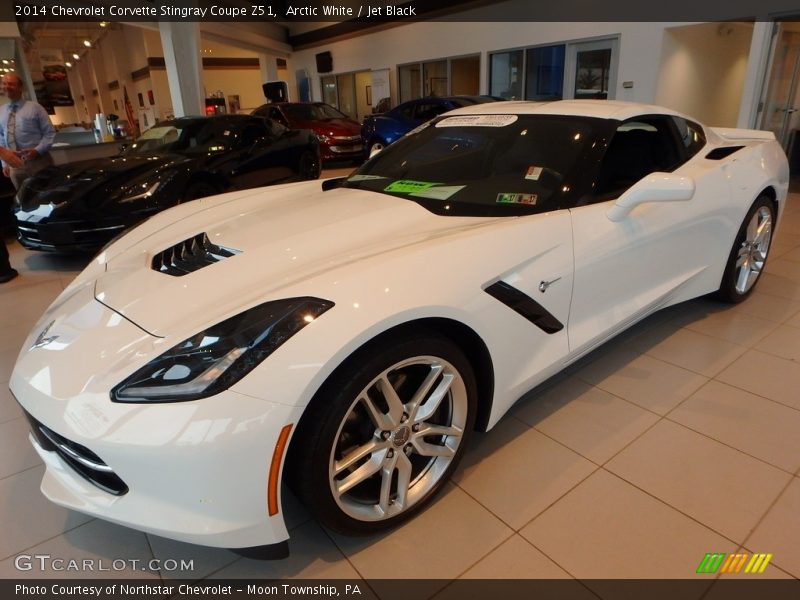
(517, 198)
(407, 186)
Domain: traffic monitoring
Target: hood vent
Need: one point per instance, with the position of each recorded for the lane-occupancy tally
(190, 255)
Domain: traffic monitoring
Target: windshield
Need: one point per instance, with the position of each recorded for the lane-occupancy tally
(190, 136)
(312, 112)
(488, 165)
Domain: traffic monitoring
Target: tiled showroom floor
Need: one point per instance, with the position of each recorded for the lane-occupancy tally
(679, 438)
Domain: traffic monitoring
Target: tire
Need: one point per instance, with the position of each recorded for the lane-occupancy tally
(361, 459)
(197, 190)
(309, 167)
(748, 257)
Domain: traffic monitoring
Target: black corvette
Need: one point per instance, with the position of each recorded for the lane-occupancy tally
(78, 207)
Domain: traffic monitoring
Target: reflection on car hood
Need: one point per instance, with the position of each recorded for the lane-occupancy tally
(284, 237)
(100, 178)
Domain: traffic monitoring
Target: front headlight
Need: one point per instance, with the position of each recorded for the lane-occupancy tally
(215, 359)
(140, 192)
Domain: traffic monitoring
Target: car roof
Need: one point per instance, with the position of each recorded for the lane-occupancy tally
(602, 109)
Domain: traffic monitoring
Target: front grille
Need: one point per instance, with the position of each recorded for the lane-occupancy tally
(190, 255)
(82, 460)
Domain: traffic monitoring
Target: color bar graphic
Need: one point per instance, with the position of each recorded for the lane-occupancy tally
(717, 561)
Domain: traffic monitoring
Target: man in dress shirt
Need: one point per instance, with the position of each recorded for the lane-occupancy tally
(25, 129)
(26, 135)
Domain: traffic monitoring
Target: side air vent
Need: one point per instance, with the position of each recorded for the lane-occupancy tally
(190, 255)
(724, 152)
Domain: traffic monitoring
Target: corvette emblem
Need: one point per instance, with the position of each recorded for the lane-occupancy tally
(42, 339)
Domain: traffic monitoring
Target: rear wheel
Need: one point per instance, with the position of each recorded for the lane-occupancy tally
(310, 167)
(384, 434)
(749, 253)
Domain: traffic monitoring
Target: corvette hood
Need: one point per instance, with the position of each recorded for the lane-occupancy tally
(279, 237)
(90, 182)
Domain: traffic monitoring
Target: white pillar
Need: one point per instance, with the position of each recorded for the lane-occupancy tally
(268, 66)
(97, 64)
(757, 65)
(181, 43)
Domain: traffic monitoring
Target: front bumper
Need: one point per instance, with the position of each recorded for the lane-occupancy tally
(70, 236)
(191, 471)
(344, 150)
(189, 474)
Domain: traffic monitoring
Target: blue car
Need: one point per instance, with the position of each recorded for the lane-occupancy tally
(378, 131)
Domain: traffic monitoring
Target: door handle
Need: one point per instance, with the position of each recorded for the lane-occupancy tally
(543, 285)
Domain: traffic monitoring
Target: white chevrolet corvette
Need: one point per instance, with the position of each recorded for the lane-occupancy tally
(348, 338)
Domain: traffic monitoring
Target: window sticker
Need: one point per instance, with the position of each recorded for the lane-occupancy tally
(408, 186)
(364, 177)
(517, 198)
(439, 192)
(478, 121)
(534, 173)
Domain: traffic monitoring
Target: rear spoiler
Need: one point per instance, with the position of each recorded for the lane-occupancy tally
(730, 134)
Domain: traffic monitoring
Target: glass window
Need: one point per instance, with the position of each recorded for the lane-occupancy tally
(506, 75)
(521, 164)
(329, 94)
(434, 76)
(410, 87)
(465, 75)
(692, 135)
(544, 73)
(591, 73)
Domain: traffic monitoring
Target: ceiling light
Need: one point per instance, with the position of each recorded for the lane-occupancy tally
(5, 61)
(103, 23)
(75, 56)
(87, 43)
(69, 64)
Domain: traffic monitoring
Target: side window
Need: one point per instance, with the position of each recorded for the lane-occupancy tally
(408, 111)
(427, 111)
(276, 115)
(639, 147)
(252, 132)
(692, 136)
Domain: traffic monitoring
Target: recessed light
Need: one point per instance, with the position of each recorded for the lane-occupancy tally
(75, 56)
(87, 43)
(68, 64)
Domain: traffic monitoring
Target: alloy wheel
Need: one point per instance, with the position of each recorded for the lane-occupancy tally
(398, 438)
(753, 250)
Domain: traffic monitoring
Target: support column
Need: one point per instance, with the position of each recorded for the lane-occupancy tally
(268, 66)
(757, 70)
(181, 43)
(97, 65)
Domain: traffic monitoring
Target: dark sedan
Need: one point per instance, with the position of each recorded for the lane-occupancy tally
(78, 207)
(378, 131)
(339, 135)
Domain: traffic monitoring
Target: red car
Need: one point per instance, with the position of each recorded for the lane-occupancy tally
(339, 135)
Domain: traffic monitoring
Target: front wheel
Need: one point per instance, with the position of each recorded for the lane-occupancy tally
(749, 253)
(310, 167)
(384, 434)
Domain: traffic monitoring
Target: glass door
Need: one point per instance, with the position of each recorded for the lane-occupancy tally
(591, 70)
(780, 104)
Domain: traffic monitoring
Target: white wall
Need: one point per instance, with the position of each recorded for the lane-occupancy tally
(640, 48)
(703, 71)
